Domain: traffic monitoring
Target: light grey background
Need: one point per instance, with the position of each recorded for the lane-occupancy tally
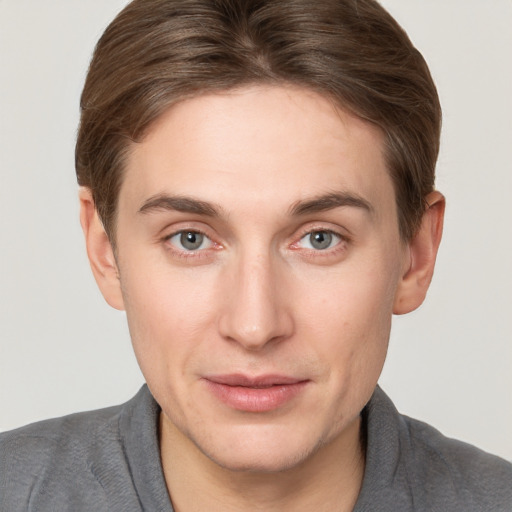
(62, 349)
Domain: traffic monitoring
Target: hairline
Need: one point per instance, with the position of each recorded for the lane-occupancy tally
(338, 104)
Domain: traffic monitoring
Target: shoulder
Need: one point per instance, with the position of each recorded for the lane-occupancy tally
(412, 466)
(75, 431)
(53, 461)
(465, 472)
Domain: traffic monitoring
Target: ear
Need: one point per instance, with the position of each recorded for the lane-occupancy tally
(99, 250)
(422, 252)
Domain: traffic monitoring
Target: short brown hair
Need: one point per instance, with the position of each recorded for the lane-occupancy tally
(158, 52)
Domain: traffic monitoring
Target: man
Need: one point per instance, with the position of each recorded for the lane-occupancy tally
(257, 192)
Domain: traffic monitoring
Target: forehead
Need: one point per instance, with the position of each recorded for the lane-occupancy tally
(260, 146)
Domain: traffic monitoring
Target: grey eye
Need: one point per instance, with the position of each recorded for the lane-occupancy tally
(191, 240)
(320, 240)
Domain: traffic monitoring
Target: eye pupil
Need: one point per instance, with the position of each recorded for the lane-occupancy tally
(320, 239)
(191, 240)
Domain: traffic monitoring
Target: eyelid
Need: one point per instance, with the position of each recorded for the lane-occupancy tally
(186, 231)
(319, 255)
(193, 255)
(340, 232)
(178, 231)
(332, 233)
(184, 226)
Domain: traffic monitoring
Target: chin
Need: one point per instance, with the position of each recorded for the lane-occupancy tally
(260, 463)
(267, 454)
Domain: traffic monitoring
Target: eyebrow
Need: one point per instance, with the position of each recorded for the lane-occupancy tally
(163, 202)
(329, 202)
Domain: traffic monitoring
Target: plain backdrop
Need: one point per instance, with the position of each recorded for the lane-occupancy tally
(62, 349)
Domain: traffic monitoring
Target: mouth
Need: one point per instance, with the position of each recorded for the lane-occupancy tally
(255, 394)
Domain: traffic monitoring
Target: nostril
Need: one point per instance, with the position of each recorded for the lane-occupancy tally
(254, 310)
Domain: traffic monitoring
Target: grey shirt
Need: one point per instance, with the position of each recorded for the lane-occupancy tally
(108, 460)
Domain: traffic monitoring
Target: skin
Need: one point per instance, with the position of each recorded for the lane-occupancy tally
(256, 174)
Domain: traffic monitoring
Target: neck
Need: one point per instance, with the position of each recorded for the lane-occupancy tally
(329, 480)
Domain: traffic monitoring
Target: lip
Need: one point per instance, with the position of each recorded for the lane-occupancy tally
(261, 393)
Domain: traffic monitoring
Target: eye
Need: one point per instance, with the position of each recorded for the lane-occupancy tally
(190, 241)
(320, 240)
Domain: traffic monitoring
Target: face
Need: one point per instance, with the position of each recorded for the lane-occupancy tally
(259, 260)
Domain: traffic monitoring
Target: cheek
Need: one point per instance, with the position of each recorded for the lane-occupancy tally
(350, 319)
(169, 314)
(167, 297)
(350, 300)
(352, 336)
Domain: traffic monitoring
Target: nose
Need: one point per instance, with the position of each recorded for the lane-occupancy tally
(255, 312)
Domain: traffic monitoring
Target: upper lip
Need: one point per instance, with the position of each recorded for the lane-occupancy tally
(238, 379)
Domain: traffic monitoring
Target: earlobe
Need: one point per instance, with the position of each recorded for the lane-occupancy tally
(99, 251)
(422, 251)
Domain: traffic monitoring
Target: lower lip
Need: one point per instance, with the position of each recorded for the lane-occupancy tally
(256, 399)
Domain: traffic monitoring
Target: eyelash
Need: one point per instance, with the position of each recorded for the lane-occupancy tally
(344, 240)
(340, 246)
(183, 253)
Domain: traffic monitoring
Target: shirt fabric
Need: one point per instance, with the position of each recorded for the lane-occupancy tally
(109, 460)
